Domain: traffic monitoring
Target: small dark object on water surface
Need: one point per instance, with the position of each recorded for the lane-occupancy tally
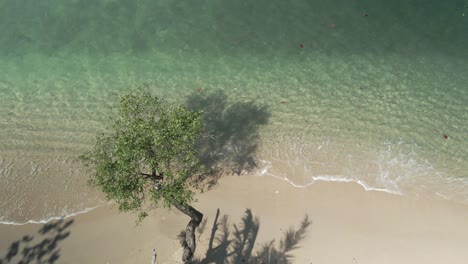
(446, 136)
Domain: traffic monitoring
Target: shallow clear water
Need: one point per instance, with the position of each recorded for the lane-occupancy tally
(361, 91)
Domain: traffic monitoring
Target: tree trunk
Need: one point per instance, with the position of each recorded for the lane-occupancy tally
(189, 241)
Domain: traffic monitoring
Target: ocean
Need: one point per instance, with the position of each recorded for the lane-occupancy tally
(372, 92)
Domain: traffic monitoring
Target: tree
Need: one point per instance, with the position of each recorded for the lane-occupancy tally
(148, 157)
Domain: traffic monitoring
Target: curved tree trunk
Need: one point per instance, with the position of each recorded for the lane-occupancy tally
(189, 241)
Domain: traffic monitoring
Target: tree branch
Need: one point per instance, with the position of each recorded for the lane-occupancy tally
(153, 176)
(146, 175)
(189, 241)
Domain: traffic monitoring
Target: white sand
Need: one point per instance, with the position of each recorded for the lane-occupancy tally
(349, 225)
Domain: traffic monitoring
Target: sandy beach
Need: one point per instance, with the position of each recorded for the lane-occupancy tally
(325, 94)
(346, 225)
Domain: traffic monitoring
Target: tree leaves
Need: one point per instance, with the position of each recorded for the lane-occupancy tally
(147, 136)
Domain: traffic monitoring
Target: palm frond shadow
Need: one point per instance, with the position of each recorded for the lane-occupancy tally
(231, 133)
(42, 249)
(225, 247)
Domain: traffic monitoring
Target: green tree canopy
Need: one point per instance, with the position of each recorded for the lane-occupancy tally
(148, 155)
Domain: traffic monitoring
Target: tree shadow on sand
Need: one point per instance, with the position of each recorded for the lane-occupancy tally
(42, 249)
(239, 247)
(230, 136)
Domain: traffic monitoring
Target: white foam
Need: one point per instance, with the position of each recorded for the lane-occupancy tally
(86, 210)
(324, 178)
(335, 178)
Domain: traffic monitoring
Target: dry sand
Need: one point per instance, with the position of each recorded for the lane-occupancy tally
(348, 225)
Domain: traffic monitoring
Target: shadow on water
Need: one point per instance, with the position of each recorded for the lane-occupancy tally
(40, 249)
(231, 133)
(237, 246)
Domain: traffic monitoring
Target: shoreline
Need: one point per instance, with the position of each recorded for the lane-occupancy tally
(54, 218)
(316, 180)
(274, 177)
(348, 224)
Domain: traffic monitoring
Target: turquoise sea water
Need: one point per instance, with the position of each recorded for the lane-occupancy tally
(362, 91)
